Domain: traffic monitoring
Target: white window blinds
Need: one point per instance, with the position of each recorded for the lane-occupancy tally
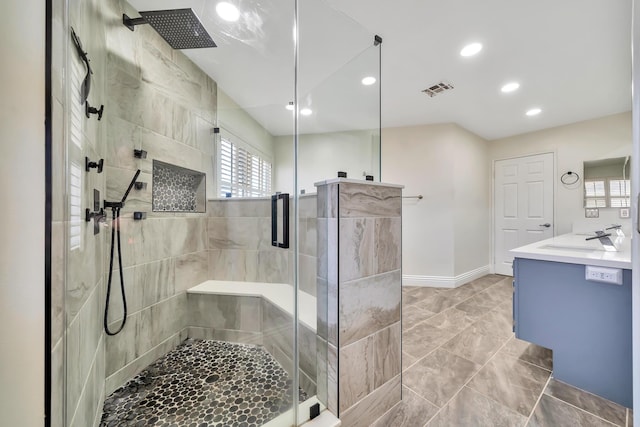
(595, 194)
(619, 192)
(242, 173)
(598, 191)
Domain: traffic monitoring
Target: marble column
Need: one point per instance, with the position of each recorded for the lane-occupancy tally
(359, 298)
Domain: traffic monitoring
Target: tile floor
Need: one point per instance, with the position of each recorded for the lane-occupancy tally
(462, 366)
(203, 383)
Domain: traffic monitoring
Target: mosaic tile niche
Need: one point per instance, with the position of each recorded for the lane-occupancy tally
(177, 189)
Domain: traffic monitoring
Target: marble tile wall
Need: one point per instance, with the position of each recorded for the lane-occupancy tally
(160, 102)
(359, 322)
(239, 243)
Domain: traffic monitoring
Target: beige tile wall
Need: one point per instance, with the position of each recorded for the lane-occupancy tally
(160, 102)
(359, 264)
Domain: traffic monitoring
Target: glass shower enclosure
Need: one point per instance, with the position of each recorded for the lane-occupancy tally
(187, 288)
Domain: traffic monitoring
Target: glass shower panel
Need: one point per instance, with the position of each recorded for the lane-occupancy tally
(338, 130)
(174, 179)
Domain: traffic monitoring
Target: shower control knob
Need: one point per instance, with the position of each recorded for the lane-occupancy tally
(88, 109)
(88, 165)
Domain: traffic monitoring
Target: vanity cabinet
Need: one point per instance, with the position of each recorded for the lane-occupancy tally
(587, 324)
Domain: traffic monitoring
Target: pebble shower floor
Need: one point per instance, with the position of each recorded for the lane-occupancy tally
(203, 384)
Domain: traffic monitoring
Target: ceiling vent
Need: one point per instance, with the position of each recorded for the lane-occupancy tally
(437, 89)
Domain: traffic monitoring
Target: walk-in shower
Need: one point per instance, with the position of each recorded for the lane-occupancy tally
(211, 324)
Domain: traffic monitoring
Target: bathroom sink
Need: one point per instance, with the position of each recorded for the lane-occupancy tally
(571, 247)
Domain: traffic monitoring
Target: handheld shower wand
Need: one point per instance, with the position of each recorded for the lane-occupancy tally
(115, 209)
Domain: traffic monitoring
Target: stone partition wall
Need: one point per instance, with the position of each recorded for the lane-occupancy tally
(158, 101)
(359, 322)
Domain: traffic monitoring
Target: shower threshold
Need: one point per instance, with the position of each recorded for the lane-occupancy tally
(204, 383)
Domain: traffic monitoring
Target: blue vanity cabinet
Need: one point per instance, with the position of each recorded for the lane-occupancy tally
(587, 324)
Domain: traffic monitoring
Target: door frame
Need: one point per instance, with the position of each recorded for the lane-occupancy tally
(554, 153)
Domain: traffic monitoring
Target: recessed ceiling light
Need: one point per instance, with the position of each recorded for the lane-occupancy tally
(227, 11)
(289, 106)
(306, 111)
(471, 49)
(510, 87)
(533, 112)
(368, 81)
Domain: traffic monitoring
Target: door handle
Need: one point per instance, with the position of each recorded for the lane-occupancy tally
(285, 220)
(546, 224)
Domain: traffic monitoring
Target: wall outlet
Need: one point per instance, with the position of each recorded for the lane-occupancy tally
(591, 213)
(624, 212)
(603, 274)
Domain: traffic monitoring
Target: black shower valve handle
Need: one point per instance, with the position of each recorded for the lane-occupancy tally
(88, 109)
(88, 165)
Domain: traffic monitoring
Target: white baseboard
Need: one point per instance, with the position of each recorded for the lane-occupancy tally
(444, 281)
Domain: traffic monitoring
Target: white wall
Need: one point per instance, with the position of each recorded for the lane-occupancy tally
(572, 144)
(445, 234)
(22, 219)
(322, 155)
(472, 202)
(232, 118)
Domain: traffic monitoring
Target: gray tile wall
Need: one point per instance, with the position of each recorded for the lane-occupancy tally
(359, 265)
(239, 243)
(160, 102)
(77, 272)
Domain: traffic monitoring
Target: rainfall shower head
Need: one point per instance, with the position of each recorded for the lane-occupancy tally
(181, 28)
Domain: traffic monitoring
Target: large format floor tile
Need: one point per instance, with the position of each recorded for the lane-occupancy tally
(412, 411)
(606, 409)
(556, 413)
(439, 376)
(470, 408)
(513, 383)
(461, 355)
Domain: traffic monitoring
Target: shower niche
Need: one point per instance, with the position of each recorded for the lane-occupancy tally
(177, 189)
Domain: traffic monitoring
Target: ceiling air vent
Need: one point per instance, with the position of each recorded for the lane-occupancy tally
(437, 89)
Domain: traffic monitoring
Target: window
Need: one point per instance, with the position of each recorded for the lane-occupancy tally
(242, 173)
(597, 192)
(619, 193)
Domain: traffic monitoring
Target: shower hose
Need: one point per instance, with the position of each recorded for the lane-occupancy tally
(115, 230)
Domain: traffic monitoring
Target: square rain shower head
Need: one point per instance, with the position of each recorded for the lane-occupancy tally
(181, 28)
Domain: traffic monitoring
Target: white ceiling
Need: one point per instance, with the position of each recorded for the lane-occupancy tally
(571, 57)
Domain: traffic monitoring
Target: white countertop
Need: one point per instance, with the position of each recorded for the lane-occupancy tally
(574, 249)
(280, 294)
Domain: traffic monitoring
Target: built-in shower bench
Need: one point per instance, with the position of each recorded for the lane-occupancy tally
(278, 294)
(256, 313)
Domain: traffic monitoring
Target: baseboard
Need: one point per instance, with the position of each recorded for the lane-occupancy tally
(444, 281)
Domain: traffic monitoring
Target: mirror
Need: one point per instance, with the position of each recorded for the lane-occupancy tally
(606, 183)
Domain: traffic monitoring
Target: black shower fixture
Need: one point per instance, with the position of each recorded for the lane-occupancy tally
(88, 165)
(181, 28)
(115, 232)
(139, 154)
(89, 110)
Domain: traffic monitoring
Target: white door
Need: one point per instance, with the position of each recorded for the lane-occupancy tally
(523, 205)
